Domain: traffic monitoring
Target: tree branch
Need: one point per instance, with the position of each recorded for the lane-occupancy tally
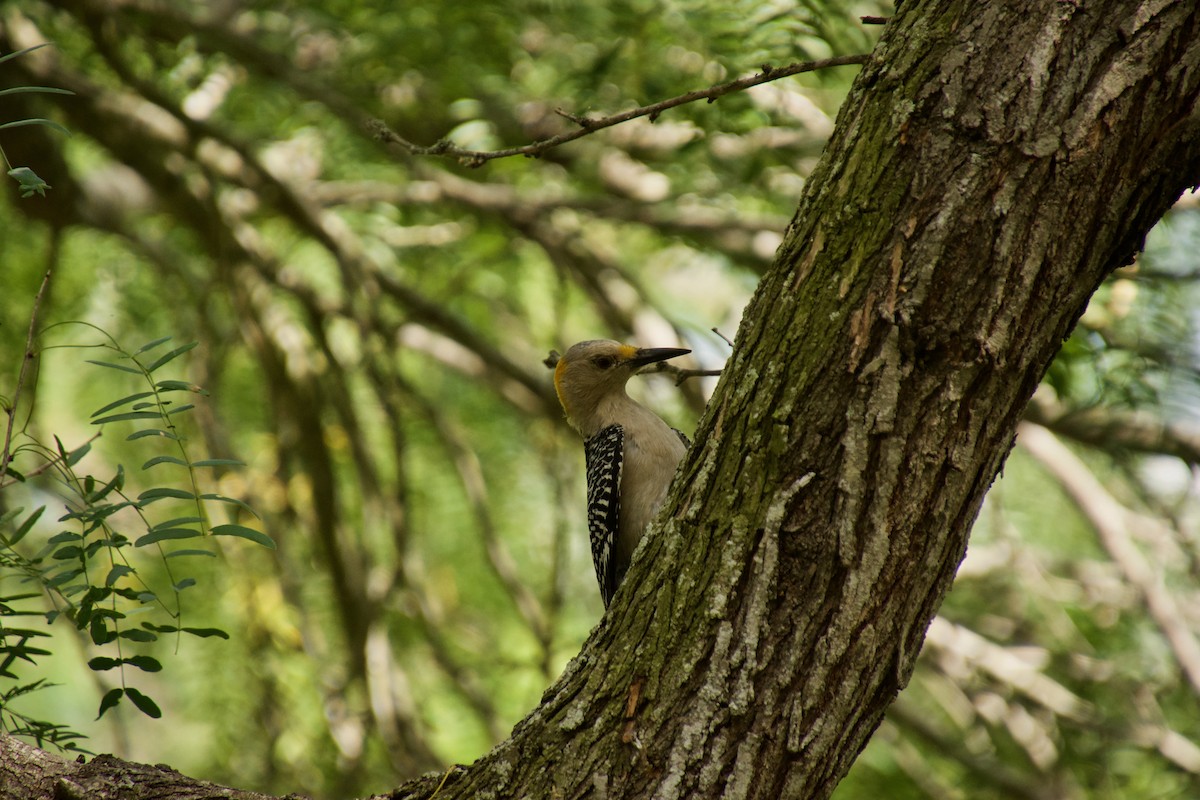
(589, 125)
(1111, 521)
(1109, 429)
(27, 773)
(26, 359)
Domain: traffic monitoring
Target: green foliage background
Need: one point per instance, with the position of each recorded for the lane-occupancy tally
(371, 328)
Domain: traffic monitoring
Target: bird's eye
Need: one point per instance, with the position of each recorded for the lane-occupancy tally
(605, 362)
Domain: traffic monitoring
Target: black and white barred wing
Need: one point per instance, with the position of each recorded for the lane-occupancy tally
(603, 453)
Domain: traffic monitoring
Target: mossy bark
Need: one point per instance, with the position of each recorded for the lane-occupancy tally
(992, 165)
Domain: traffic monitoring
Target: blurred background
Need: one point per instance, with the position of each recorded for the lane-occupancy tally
(371, 329)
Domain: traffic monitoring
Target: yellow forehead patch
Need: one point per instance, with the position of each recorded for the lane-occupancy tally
(628, 351)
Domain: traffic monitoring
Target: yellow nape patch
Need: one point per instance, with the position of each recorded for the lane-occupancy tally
(628, 351)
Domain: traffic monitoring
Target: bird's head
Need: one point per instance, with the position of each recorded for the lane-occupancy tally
(597, 369)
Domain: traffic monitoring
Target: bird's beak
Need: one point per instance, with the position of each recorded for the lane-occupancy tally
(649, 355)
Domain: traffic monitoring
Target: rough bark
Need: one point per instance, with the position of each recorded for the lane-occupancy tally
(27, 773)
(993, 163)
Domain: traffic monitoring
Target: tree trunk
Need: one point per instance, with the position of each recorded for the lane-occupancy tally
(993, 163)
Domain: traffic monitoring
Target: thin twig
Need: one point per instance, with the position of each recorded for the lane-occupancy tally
(588, 125)
(28, 357)
(47, 466)
(728, 341)
(682, 375)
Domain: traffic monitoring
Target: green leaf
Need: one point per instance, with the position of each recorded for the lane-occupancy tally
(23, 51)
(151, 432)
(176, 522)
(137, 635)
(100, 663)
(180, 386)
(64, 553)
(166, 533)
(117, 539)
(11, 514)
(35, 90)
(185, 583)
(245, 533)
(76, 455)
(124, 591)
(98, 513)
(117, 572)
(24, 633)
(178, 553)
(144, 704)
(151, 345)
(219, 462)
(110, 365)
(164, 460)
(31, 183)
(110, 699)
(13, 598)
(99, 631)
(205, 633)
(63, 577)
(162, 492)
(65, 536)
(117, 483)
(145, 663)
(94, 595)
(171, 356)
(23, 651)
(22, 123)
(127, 416)
(181, 409)
(220, 498)
(108, 613)
(123, 401)
(26, 525)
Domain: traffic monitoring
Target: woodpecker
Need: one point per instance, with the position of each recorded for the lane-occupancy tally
(631, 454)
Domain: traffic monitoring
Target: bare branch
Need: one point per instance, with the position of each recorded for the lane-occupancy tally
(1109, 429)
(682, 375)
(588, 125)
(986, 767)
(26, 358)
(1112, 522)
(1006, 666)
